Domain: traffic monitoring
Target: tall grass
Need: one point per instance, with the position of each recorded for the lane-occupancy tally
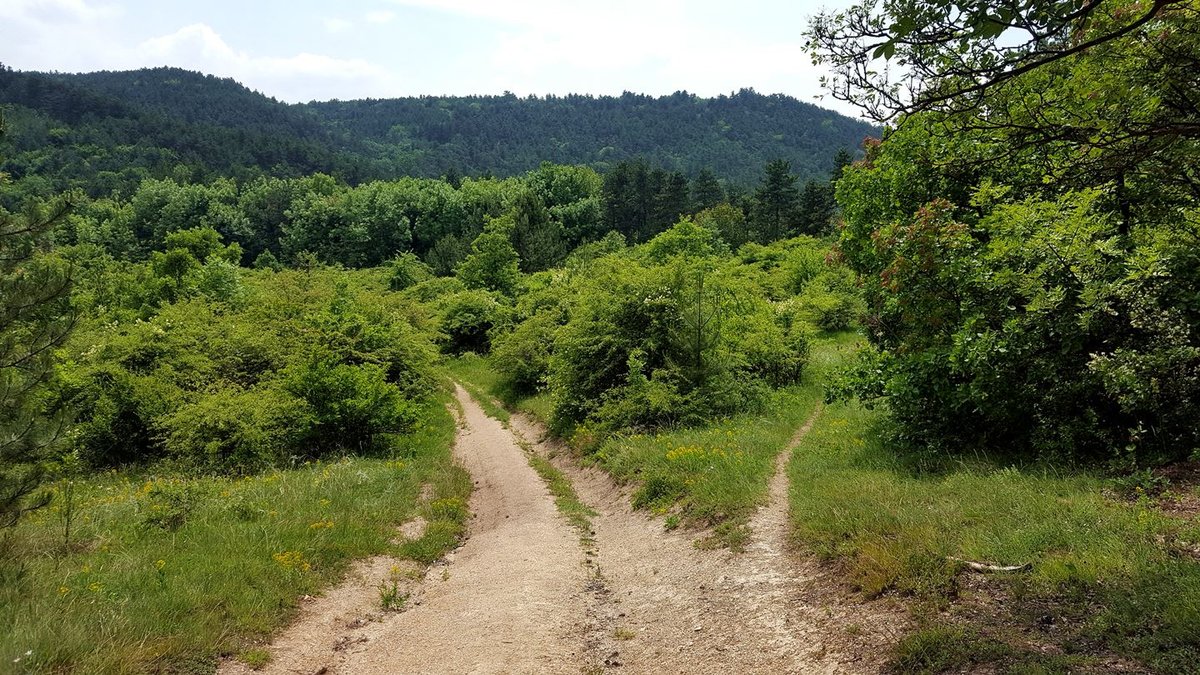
(164, 573)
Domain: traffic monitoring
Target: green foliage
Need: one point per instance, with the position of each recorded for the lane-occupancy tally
(492, 264)
(143, 124)
(35, 318)
(728, 221)
(539, 241)
(650, 344)
(523, 354)
(305, 364)
(351, 405)
(775, 203)
(238, 429)
(267, 261)
(252, 545)
(828, 301)
(407, 271)
(686, 238)
(1028, 289)
(977, 335)
(467, 317)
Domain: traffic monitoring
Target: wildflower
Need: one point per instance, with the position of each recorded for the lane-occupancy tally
(321, 525)
(324, 502)
(290, 559)
(160, 563)
(63, 590)
(95, 587)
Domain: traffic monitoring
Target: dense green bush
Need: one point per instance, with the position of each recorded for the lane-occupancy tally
(650, 344)
(407, 271)
(302, 364)
(673, 331)
(239, 429)
(523, 354)
(830, 301)
(351, 406)
(1038, 328)
(467, 317)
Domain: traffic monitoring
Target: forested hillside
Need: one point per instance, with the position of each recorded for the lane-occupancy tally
(107, 131)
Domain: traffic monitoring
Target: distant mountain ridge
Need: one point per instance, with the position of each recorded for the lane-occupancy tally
(106, 130)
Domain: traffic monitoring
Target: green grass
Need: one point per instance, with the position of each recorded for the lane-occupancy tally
(485, 384)
(164, 573)
(1112, 574)
(578, 514)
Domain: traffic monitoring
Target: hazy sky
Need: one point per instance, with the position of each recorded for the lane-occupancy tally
(301, 50)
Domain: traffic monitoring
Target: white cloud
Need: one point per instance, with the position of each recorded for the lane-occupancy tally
(301, 77)
(55, 34)
(380, 16)
(337, 25)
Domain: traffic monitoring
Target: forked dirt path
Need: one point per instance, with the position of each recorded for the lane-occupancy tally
(524, 595)
(673, 608)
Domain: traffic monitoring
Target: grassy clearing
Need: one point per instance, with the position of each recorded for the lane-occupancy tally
(714, 475)
(1106, 575)
(165, 573)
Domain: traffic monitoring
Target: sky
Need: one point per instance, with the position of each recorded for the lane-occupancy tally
(303, 50)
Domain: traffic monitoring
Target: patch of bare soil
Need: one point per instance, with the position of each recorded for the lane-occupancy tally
(1182, 495)
(667, 607)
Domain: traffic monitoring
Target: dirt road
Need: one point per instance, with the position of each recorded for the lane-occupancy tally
(679, 609)
(523, 595)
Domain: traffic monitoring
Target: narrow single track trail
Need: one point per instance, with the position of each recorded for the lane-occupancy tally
(524, 594)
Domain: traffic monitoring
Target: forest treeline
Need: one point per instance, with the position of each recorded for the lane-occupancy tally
(548, 212)
(107, 131)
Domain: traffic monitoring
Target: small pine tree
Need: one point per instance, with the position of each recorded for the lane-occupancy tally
(35, 318)
(775, 201)
(536, 237)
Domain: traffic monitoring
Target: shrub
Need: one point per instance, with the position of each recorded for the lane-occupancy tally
(680, 342)
(237, 429)
(466, 319)
(829, 301)
(407, 270)
(351, 407)
(522, 356)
